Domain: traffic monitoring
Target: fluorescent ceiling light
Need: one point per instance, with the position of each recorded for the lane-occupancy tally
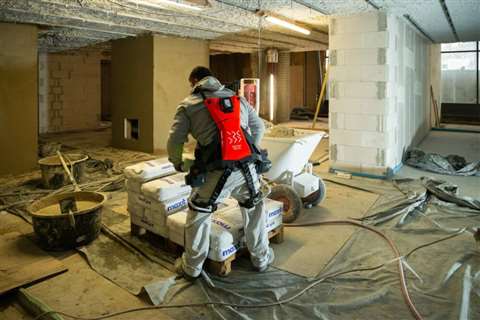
(162, 3)
(287, 24)
(272, 96)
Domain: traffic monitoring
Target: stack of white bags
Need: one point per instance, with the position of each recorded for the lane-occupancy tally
(158, 202)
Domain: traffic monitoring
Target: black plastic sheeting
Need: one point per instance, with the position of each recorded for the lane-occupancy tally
(433, 162)
(443, 278)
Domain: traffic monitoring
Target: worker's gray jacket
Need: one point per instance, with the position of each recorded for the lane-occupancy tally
(192, 117)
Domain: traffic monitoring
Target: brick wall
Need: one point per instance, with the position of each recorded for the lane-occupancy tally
(70, 91)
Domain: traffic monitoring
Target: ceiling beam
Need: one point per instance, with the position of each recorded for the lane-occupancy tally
(252, 13)
(16, 16)
(230, 48)
(113, 19)
(311, 5)
(76, 33)
(273, 36)
(446, 12)
(420, 29)
(255, 41)
(80, 15)
(373, 4)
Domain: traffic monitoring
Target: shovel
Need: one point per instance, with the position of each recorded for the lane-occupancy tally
(69, 205)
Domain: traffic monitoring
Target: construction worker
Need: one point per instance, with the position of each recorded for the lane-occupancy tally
(221, 168)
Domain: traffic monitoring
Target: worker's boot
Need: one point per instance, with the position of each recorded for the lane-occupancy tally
(271, 257)
(179, 270)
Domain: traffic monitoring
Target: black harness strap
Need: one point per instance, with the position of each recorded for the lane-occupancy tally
(215, 194)
(254, 196)
(207, 159)
(220, 184)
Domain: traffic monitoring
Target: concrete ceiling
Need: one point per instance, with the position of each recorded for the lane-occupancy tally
(71, 24)
(231, 25)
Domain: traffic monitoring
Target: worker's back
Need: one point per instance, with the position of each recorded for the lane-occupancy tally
(192, 115)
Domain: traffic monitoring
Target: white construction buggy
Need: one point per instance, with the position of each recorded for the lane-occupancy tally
(291, 176)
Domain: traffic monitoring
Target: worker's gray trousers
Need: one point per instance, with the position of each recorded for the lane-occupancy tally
(197, 227)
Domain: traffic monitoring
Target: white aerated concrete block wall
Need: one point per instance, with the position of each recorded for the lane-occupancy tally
(408, 61)
(377, 92)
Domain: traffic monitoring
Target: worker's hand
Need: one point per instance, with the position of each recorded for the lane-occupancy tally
(187, 164)
(178, 167)
(184, 166)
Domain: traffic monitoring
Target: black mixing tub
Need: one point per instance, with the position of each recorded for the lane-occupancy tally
(59, 231)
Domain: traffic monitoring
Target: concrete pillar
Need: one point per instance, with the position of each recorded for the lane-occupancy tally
(283, 87)
(173, 60)
(132, 93)
(18, 98)
(149, 80)
(260, 70)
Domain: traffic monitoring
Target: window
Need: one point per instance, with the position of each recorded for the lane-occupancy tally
(459, 46)
(460, 70)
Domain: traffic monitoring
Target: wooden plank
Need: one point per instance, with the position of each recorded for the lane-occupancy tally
(23, 262)
(320, 99)
(435, 108)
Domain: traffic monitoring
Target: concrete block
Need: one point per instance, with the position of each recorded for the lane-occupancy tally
(369, 90)
(358, 41)
(336, 120)
(57, 90)
(360, 155)
(356, 138)
(379, 171)
(360, 106)
(364, 122)
(359, 73)
(57, 105)
(362, 56)
(358, 23)
(59, 73)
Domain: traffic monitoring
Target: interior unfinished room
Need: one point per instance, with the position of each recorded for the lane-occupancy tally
(239, 159)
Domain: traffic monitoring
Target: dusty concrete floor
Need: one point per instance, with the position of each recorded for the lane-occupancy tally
(320, 124)
(81, 290)
(84, 292)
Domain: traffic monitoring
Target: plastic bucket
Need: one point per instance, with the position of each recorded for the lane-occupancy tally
(53, 174)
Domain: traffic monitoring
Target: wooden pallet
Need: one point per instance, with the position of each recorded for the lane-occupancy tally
(223, 268)
(220, 268)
